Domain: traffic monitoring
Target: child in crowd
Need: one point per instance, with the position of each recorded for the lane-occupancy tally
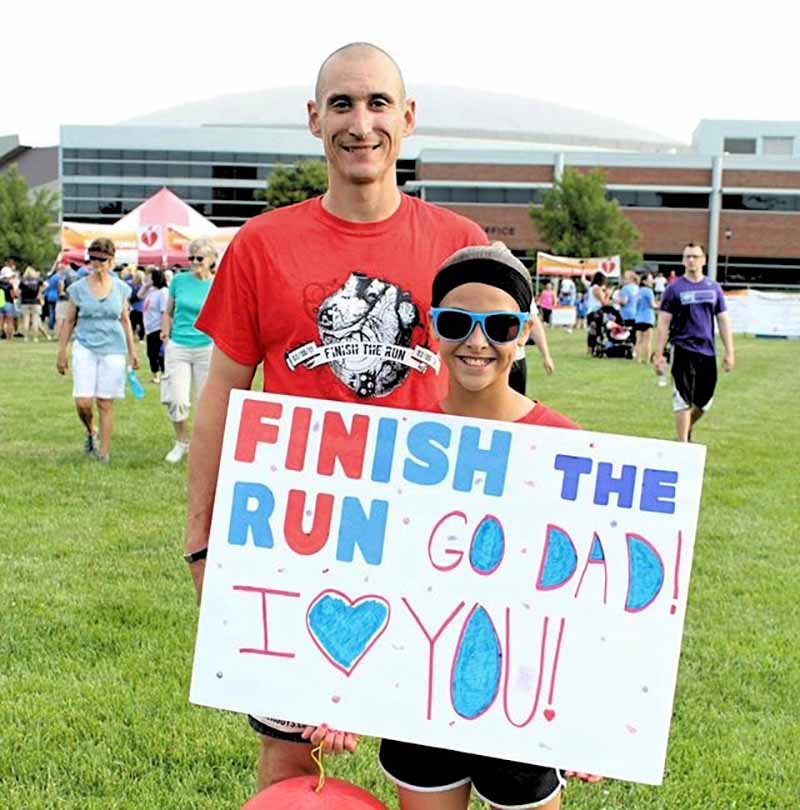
(481, 300)
(580, 311)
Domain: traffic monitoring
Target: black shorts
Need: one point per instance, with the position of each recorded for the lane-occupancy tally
(546, 315)
(278, 729)
(695, 377)
(642, 327)
(499, 782)
(518, 375)
(629, 322)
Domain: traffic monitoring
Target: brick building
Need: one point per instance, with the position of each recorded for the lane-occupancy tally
(735, 188)
(746, 209)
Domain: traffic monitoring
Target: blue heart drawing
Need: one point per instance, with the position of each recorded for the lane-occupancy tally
(345, 629)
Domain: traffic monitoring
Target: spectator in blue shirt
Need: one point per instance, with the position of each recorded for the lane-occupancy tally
(645, 320)
(627, 299)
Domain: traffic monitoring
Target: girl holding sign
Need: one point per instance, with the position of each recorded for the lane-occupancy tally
(481, 300)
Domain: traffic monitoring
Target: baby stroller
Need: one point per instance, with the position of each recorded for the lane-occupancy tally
(612, 337)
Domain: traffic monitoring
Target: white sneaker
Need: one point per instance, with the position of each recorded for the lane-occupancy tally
(177, 453)
(662, 380)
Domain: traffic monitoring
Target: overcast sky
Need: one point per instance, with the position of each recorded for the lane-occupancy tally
(661, 66)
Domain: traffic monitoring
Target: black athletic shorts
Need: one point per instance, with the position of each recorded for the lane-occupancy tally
(640, 326)
(518, 375)
(278, 729)
(695, 377)
(499, 782)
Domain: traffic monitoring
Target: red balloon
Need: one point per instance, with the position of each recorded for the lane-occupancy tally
(300, 794)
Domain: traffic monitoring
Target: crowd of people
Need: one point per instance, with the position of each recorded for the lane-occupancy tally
(25, 300)
(592, 302)
(107, 308)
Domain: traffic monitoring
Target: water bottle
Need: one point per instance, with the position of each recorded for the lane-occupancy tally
(136, 386)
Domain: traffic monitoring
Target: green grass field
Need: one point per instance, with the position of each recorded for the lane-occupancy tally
(98, 613)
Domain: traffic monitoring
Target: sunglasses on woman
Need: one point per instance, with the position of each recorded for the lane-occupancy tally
(457, 324)
(196, 258)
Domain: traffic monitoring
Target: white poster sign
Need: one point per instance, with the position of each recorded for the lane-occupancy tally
(506, 589)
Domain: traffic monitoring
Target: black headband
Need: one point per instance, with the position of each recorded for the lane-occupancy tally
(483, 271)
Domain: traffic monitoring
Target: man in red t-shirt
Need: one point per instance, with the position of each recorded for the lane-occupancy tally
(332, 295)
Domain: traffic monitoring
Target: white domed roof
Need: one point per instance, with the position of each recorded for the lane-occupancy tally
(442, 111)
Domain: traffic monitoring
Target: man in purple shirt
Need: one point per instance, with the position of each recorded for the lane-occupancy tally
(688, 308)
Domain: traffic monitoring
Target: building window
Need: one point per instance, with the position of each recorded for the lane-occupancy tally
(739, 146)
(781, 147)
(234, 210)
(236, 172)
(659, 199)
(490, 195)
(484, 195)
(761, 202)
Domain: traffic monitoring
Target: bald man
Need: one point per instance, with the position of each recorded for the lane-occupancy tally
(350, 268)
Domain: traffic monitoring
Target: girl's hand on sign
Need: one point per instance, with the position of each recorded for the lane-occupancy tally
(583, 777)
(331, 740)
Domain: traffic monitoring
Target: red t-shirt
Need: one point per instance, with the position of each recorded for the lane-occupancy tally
(541, 415)
(337, 309)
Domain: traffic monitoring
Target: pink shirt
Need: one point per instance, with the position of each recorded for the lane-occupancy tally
(547, 299)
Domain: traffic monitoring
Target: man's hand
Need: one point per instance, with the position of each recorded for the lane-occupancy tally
(659, 364)
(549, 365)
(583, 777)
(61, 362)
(133, 360)
(331, 740)
(728, 361)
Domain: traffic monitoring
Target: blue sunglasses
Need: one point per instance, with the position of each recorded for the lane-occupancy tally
(457, 324)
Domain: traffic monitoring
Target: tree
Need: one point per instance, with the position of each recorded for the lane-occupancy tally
(292, 184)
(27, 222)
(577, 219)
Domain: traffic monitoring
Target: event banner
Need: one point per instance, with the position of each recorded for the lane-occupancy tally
(549, 265)
(506, 589)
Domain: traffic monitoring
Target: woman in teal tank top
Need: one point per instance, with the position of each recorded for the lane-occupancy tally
(187, 351)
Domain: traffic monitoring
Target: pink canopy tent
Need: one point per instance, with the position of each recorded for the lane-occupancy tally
(160, 229)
